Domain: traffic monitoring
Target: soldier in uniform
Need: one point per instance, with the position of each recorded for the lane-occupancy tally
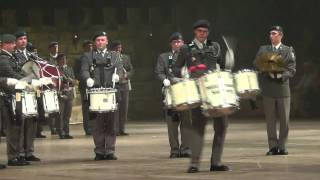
(53, 52)
(200, 56)
(174, 118)
(66, 97)
(28, 126)
(52, 59)
(87, 47)
(98, 70)
(276, 92)
(9, 68)
(124, 88)
(3, 83)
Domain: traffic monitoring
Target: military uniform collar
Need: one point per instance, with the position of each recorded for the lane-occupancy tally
(6, 52)
(199, 44)
(54, 55)
(276, 47)
(103, 51)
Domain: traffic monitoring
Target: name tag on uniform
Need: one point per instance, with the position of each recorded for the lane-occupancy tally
(170, 57)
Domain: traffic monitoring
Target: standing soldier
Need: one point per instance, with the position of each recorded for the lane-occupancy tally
(66, 97)
(29, 124)
(52, 59)
(276, 92)
(98, 70)
(87, 124)
(10, 69)
(124, 88)
(201, 56)
(4, 82)
(164, 71)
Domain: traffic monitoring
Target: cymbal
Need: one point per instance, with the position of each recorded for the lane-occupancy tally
(270, 62)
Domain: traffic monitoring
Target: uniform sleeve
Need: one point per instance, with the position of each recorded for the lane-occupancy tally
(128, 66)
(7, 70)
(256, 58)
(290, 66)
(181, 61)
(160, 69)
(3, 81)
(85, 68)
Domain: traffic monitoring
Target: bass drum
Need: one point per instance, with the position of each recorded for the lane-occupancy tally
(38, 69)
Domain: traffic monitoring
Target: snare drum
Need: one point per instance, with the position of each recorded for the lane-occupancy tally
(218, 94)
(50, 101)
(102, 100)
(247, 83)
(29, 103)
(185, 95)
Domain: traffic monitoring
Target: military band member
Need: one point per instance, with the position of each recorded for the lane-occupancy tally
(276, 92)
(175, 119)
(53, 52)
(66, 97)
(9, 68)
(124, 88)
(200, 56)
(29, 124)
(87, 47)
(3, 83)
(98, 70)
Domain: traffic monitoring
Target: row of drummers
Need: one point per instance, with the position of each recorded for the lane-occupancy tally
(30, 98)
(216, 92)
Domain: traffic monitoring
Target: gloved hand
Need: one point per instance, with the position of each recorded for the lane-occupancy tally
(166, 82)
(11, 81)
(21, 85)
(115, 78)
(46, 81)
(90, 82)
(279, 75)
(35, 83)
(271, 75)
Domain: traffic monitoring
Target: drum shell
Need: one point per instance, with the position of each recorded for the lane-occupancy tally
(218, 94)
(50, 101)
(29, 104)
(102, 100)
(185, 95)
(247, 84)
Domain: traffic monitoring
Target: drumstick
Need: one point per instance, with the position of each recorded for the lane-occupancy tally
(113, 81)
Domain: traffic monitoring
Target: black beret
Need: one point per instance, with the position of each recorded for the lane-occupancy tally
(114, 44)
(175, 36)
(201, 23)
(60, 55)
(86, 42)
(20, 34)
(99, 33)
(53, 43)
(276, 28)
(8, 38)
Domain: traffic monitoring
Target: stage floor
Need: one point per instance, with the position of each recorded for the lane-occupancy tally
(144, 155)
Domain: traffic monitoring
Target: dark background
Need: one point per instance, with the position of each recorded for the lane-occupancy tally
(144, 27)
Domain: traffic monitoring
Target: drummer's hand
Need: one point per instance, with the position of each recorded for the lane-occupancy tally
(46, 81)
(166, 82)
(271, 75)
(35, 83)
(279, 75)
(90, 82)
(21, 85)
(11, 81)
(115, 78)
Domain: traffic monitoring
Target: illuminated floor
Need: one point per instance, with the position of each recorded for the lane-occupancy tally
(144, 155)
